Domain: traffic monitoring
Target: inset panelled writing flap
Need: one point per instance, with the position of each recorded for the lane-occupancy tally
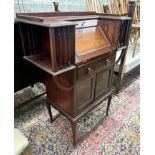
(90, 39)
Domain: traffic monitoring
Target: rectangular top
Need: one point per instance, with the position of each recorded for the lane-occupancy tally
(57, 19)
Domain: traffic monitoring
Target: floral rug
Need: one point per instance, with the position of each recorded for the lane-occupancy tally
(116, 134)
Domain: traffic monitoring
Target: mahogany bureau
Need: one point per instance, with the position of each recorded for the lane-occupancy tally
(76, 51)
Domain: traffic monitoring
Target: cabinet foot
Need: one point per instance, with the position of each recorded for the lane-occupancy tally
(74, 123)
(49, 111)
(108, 104)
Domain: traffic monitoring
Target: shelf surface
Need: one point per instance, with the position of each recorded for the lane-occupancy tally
(43, 61)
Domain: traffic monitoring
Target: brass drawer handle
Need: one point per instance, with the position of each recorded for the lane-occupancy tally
(108, 61)
(90, 70)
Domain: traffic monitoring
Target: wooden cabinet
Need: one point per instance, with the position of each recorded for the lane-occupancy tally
(93, 81)
(92, 87)
(76, 52)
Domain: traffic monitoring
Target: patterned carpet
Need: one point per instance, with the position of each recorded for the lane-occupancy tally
(117, 134)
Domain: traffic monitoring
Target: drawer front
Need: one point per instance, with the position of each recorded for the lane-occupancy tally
(94, 66)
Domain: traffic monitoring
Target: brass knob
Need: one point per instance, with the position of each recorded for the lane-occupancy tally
(108, 61)
(90, 70)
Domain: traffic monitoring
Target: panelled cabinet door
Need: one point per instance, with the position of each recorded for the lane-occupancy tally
(103, 82)
(84, 92)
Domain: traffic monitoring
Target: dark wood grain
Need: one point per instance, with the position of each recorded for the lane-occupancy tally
(77, 53)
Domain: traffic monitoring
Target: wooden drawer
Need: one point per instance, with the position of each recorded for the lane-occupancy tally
(94, 66)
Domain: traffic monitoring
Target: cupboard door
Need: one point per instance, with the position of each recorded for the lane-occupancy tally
(103, 82)
(84, 93)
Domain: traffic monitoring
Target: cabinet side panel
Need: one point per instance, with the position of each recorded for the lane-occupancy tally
(62, 99)
(111, 29)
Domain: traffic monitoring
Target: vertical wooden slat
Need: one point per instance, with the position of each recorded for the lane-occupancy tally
(53, 49)
(101, 6)
(57, 47)
(68, 45)
(64, 43)
(72, 44)
(33, 41)
(88, 7)
(117, 7)
(29, 41)
(91, 5)
(95, 6)
(36, 37)
(122, 7)
(59, 43)
(109, 4)
(22, 39)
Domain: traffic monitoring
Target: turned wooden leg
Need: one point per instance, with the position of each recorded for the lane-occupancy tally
(49, 111)
(120, 72)
(108, 104)
(74, 123)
